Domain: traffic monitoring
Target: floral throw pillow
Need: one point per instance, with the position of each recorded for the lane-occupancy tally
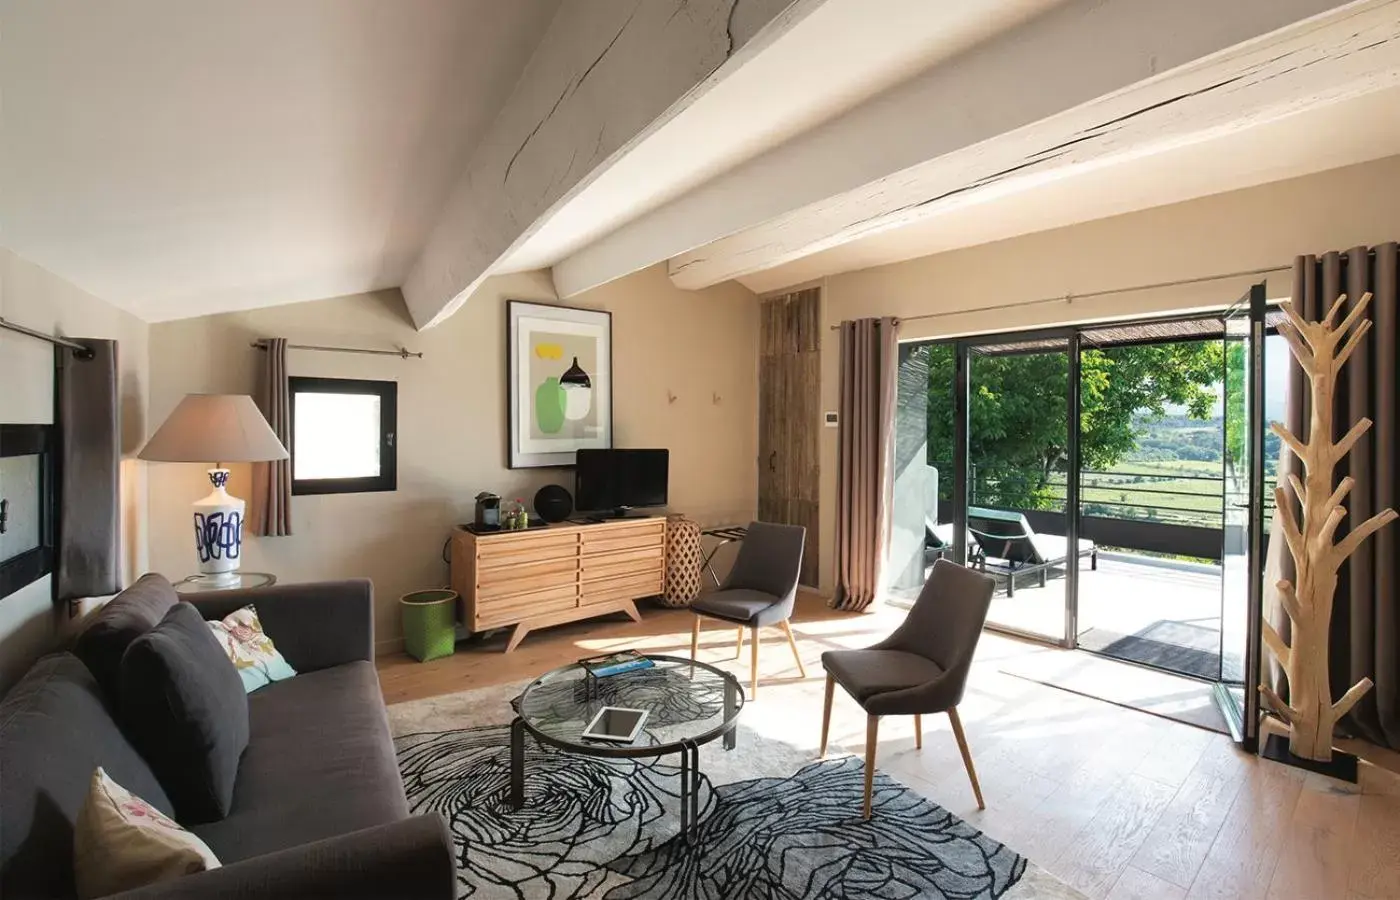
(121, 842)
(257, 661)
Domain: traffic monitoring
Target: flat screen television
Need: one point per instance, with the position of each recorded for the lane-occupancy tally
(612, 482)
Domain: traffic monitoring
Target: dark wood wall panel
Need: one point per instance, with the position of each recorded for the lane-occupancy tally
(790, 416)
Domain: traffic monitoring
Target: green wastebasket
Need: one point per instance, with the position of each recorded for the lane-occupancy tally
(429, 623)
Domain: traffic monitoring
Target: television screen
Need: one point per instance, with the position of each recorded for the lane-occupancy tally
(608, 480)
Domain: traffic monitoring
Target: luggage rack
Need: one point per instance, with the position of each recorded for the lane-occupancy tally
(726, 534)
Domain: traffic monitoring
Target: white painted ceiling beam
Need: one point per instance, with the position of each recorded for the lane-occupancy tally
(605, 72)
(983, 109)
(1316, 63)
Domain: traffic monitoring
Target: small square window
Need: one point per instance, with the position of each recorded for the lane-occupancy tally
(343, 435)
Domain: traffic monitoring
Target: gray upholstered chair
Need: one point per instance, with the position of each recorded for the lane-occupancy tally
(921, 668)
(760, 590)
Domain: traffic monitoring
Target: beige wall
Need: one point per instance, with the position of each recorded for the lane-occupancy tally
(452, 419)
(1255, 228)
(30, 623)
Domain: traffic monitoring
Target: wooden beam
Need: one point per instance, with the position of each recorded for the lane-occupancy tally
(605, 72)
(968, 129)
(1346, 53)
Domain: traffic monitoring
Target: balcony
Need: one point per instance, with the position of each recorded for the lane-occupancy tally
(1155, 595)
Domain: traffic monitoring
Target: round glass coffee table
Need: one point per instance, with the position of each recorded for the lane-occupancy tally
(688, 704)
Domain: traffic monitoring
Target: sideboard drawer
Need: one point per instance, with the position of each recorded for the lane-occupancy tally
(629, 536)
(513, 550)
(624, 588)
(623, 562)
(505, 610)
(525, 577)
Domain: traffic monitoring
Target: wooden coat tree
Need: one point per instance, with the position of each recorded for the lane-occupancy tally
(1321, 349)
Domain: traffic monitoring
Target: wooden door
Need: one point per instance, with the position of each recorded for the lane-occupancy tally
(789, 416)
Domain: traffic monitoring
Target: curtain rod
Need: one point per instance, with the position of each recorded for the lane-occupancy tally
(1070, 298)
(78, 349)
(401, 353)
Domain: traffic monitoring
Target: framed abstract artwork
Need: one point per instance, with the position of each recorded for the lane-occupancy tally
(558, 382)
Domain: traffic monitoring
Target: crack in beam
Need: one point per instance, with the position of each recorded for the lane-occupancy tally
(569, 89)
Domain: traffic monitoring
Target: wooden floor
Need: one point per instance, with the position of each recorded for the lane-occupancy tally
(1118, 803)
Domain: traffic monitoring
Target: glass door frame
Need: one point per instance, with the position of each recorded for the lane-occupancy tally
(1245, 721)
(964, 349)
(1243, 718)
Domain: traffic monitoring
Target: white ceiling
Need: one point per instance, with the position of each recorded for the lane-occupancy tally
(186, 157)
(182, 157)
(1321, 138)
(840, 54)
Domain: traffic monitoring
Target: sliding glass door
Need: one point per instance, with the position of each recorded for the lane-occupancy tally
(1020, 447)
(1111, 480)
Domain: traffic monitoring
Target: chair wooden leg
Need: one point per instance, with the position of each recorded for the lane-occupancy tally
(694, 643)
(966, 755)
(918, 732)
(792, 642)
(826, 711)
(753, 655)
(739, 646)
(872, 731)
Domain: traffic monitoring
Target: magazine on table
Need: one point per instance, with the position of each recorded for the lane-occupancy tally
(615, 663)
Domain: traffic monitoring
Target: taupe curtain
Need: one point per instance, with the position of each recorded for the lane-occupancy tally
(1365, 635)
(270, 508)
(869, 362)
(88, 414)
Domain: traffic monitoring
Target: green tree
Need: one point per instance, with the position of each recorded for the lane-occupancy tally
(1019, 439)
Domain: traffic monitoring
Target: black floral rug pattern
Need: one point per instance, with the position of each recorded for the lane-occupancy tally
(608, 829)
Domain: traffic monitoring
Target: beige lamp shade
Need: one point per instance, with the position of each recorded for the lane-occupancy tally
(211, 428)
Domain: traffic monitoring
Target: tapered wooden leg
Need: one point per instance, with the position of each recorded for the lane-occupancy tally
(753, 654)
(517, 636)
(792, 642)
(694, 641)
(966, 755)
(918, 732)
(739, 645)
(872, 731)
(826, 710)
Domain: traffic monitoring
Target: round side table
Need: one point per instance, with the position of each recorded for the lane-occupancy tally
(196, 584)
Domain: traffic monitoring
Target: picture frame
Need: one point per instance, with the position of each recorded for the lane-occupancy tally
(29, 511)
(559, 387)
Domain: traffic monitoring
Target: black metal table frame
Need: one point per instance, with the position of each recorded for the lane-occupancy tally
(688, 748)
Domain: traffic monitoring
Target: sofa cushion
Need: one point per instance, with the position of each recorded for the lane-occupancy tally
(320, 763)
(122, 620)
(55, 730)
(122, 842)
(251, 651)
(184, 706)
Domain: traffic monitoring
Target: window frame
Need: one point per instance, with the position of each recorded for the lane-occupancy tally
(387, 392)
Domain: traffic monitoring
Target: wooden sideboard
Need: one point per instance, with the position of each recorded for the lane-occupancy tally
(556, 574)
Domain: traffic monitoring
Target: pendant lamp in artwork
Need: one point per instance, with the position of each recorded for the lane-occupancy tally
(578, 392)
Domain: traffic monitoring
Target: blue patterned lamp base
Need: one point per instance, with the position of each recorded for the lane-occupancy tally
(218, 531)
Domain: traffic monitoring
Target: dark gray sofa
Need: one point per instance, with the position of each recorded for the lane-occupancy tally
(318, 806)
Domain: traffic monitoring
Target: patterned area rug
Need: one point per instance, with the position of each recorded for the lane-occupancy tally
(774, 823)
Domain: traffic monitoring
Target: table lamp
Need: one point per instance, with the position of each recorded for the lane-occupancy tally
(217, 428)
